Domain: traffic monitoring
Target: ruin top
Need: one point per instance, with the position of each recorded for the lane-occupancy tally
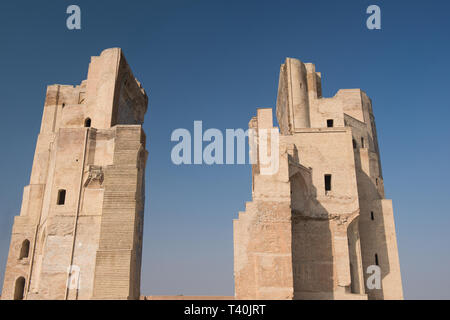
(109, 96)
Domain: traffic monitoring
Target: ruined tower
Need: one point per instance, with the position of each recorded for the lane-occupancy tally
(79, 232)
(316, 225)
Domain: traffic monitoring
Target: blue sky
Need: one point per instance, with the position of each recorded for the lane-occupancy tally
(217, 61)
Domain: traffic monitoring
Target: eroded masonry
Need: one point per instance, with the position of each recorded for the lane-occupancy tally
(313, 228)
(79, 232)
(311, 231)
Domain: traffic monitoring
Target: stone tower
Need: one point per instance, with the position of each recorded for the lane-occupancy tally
(79, 232)
(317, 224)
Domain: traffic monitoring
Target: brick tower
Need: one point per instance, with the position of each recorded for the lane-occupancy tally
(315, 226)
(79, 232)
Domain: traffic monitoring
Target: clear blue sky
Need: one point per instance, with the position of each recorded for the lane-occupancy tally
(217, 61)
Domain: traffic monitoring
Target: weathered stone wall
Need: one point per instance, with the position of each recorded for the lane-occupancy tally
(297, 240)
(99, 161)
(376, 223)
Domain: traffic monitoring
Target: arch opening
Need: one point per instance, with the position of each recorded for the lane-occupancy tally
(19, 288)
(24, 249)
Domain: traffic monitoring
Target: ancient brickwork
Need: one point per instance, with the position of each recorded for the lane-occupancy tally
(79, 232)
(314, 227)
